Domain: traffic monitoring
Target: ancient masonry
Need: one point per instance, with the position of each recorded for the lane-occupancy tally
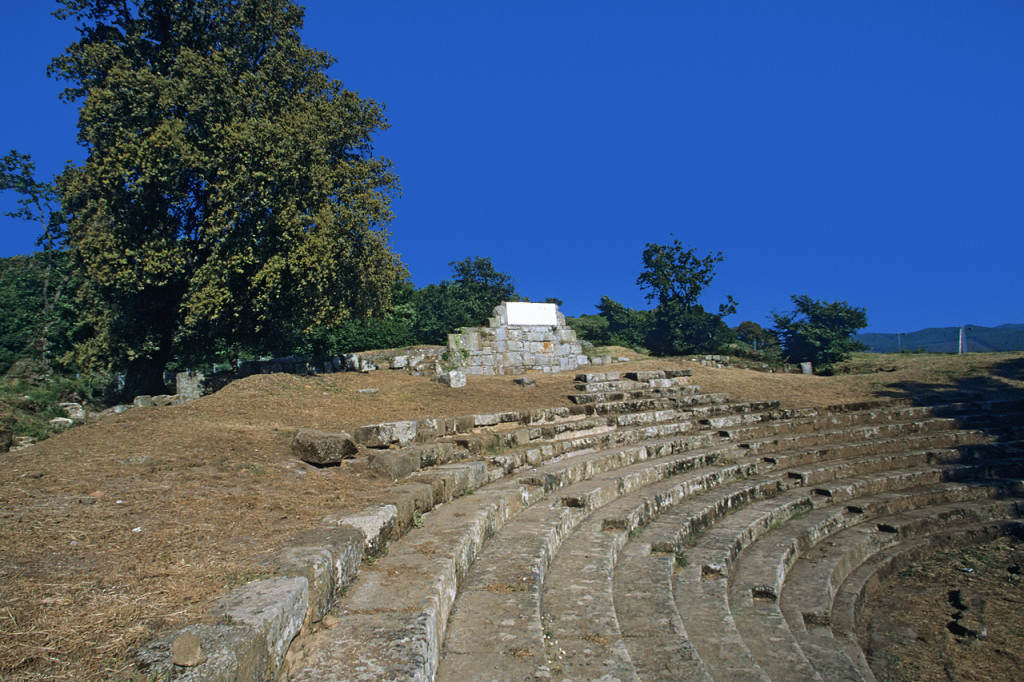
(520, 337)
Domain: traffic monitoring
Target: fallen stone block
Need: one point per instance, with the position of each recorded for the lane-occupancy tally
(61, 422)
(143, 401)
(321, 448)
(455, 378)
(400, 362)
(526, 381)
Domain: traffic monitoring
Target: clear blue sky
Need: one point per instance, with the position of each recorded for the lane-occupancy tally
(868, 151)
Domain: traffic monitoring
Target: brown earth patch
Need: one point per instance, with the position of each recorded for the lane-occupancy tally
(910, 631)
(127, 527)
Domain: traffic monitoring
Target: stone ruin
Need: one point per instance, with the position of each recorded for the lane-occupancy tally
(520, 337)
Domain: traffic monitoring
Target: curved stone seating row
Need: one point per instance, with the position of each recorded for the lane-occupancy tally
(554, 570)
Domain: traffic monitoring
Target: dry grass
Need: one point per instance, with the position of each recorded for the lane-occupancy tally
(130, 526)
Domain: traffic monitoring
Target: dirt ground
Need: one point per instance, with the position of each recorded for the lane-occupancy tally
(129, 526)
(914, 632)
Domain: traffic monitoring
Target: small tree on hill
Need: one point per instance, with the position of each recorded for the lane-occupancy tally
(466, 300)
(757, 336)
(37, 285)
(820, 332)
(675, 277)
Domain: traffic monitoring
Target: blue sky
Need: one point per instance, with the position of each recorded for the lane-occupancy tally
(868, 151)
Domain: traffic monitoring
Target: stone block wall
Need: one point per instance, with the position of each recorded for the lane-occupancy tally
(510, 348)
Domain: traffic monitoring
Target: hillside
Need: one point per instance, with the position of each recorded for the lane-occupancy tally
(1002, 339)
(129, 526)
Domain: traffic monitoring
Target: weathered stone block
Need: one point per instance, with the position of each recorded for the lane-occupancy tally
(345, 545)
(320, 448)
(456, 378)
(74, 411)
(645, 376)
(384, 435)
(394, 464)
(315, 564)
(234, 652)
(275, 608)
(376, 522)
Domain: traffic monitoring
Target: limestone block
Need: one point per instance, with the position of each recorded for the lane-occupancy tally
(318, 447)
(376, 523)
(645, 376)
(456, 378)
(143, 401)
(345, 546)
(486, 419)
(275, 608)
(337, 364)
(351, 362)
(400, 362)
(383, 435)
(593, 377)
(394, 464)
(74, 411)
(233, 652)
(315, 565)
(61, 422)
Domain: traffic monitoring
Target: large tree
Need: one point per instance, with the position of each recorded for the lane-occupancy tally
(230, 192)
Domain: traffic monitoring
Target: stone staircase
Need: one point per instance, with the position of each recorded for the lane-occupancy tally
(666, 534)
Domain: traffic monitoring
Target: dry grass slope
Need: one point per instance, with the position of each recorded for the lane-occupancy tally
(127, 527)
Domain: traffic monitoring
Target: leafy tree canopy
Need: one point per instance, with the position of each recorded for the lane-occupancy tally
(675, 277)
(35, 288)
(756, 335)
(230, 190)
(819, 332)
(466, 300)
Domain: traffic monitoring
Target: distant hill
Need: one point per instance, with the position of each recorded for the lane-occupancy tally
(1005, 337)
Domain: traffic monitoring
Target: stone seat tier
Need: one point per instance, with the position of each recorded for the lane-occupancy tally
(395, 617)
(394, 626)
(516, 562)
(590, 623)
(648, 560)
(758, 576)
